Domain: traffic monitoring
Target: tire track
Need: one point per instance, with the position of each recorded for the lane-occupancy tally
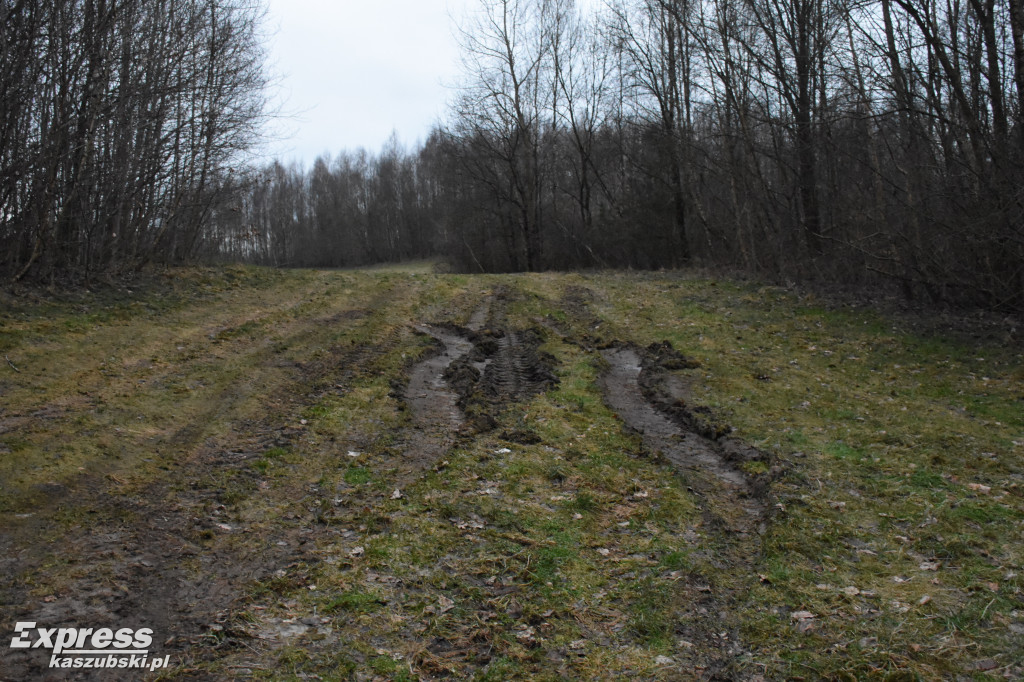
(700, 458)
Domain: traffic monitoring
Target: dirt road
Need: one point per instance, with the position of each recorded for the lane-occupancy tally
(385, 475)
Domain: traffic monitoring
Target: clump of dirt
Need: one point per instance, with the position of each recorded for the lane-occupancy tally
(665, 356)
(520, 436)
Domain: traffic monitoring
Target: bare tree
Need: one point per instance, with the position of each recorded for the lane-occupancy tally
(120, 122)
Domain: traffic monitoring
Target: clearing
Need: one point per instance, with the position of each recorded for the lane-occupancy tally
(398, 474)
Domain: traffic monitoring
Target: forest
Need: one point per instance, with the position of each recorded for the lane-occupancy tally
(848, 143)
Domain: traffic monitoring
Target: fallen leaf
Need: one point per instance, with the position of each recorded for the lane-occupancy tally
(802, 615)
(930, 565)
(357, 551)
(851, 591)
(526, 634)
(924, 600)
(397, 495)
(979, 488)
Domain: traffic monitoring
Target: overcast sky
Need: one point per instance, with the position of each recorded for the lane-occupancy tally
(351, 71)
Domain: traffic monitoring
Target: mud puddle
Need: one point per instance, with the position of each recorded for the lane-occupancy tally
(704, 461)
(482, 367)
(434, 405)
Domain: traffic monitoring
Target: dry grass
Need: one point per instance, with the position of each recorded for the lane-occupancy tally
(571, 554)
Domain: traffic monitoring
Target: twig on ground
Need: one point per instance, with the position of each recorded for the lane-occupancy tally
(12, 364)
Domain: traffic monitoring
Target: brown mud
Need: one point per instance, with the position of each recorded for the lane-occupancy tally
(433, 405)
(166, 557)
(647, 389)
(506, 365)
(667, 429)
(429, 395)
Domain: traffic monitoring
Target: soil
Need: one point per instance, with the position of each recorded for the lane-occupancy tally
(436, 415)
(505, 365)
(680, 434)
(164, 558)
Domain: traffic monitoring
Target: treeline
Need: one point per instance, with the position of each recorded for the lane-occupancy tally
(868, 142)
(119, 120)
(856, 143)
(357, 209)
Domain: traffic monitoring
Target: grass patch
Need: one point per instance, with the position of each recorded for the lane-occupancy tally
(238, 394)
(358, 476)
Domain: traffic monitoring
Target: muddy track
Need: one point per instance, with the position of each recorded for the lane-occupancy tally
(642, 386)
(436, 415)
(506, 366)
(734, 507)
(648, 393)
(701, 460)
(474, 372)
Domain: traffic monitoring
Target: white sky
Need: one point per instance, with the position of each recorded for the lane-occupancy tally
(351, 71)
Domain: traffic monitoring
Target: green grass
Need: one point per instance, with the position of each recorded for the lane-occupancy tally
(896, 519)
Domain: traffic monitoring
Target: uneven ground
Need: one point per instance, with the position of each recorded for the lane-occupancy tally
(394, 474)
